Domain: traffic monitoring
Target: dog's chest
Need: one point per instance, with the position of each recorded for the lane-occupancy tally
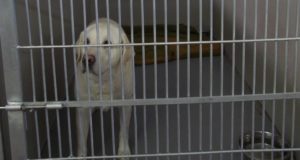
(104, 88)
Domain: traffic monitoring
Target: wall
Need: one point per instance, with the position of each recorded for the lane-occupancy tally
(270, 51)
(148, 11)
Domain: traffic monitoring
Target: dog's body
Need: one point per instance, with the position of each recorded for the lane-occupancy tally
(89, 71)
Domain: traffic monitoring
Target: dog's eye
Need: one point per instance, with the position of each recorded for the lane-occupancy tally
(106, 42)
(87, 41)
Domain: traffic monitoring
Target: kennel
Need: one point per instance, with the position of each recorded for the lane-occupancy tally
(213, 79)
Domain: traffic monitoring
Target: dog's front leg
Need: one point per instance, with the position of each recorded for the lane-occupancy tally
(125, 116)
(82, 120)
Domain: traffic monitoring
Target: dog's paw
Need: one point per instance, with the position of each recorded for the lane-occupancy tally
(123, 151)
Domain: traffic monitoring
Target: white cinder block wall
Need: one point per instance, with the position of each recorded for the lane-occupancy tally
(148, 12)
(270, 52)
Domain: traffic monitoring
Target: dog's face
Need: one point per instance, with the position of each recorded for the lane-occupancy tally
(97, 60)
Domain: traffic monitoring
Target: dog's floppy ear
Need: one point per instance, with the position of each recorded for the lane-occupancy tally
(128, 51)
(79, 55)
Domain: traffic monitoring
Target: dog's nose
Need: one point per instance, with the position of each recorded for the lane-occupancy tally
(90, 59)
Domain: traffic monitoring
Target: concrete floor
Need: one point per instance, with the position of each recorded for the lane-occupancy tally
(200, 120)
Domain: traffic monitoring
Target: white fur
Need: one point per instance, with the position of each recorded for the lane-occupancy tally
(92, 74)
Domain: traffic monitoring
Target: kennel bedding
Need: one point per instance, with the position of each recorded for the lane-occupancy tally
(171, 49)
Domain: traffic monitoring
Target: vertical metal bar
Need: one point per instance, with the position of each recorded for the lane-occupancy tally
(33, 80)
(132, 41)
(110, 78)
(97, 49)
(100, 79)
(122, 73)
(37, 134)
(76, 78)
(285, 75)
(178, 80)
(211, 50)
(177, 48)
(74, 51)
(166, 70)
(178, 131)
(133, 78)
(295, 78)
(264, 72)
(48, 133)
(166, 47)
(189, 76)
(254, 78)
(200, 77)
(243, 75)
(233, 76)
(44, 76)
(144, 76)
(12, 77)
(31, 51)
(222, 78)
(54, 70)
(166, 75)
(102, 132)
(113, 130)
(122, 58)
(91, 132)
(42, 50)
(155, 76)
(64, 49)
(87, 77)
(275, 75)
(211, 79)
(188, 50)
(143, 48)
(154, 47)
(58, 133)
(85, 49)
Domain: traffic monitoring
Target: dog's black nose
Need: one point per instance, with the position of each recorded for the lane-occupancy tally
(90, 60)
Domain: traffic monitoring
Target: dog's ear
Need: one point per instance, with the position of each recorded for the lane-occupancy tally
(128, 51)
(79, 55)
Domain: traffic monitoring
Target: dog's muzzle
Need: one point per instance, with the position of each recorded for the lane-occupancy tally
(88, 61)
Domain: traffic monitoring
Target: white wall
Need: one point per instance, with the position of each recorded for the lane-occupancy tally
(148, 11)
(270, 52)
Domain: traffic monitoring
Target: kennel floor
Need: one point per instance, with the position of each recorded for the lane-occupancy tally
(204, 136)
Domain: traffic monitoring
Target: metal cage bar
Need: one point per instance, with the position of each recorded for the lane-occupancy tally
(12, 77)
(174, 94)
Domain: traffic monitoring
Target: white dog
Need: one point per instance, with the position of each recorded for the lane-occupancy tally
(91, 64)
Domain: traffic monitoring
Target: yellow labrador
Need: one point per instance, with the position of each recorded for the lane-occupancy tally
(95, 61)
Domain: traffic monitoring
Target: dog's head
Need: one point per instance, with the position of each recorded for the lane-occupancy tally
(96, 58)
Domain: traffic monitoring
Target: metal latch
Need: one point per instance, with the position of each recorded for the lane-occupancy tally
(20, 106)
(54, 106)
(12, 107)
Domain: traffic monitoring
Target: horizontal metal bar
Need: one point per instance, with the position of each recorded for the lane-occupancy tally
(162, 43)
(178, 154)
(163, 101)
(54, 106)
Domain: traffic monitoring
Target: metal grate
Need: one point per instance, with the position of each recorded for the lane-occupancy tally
(242, 78)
